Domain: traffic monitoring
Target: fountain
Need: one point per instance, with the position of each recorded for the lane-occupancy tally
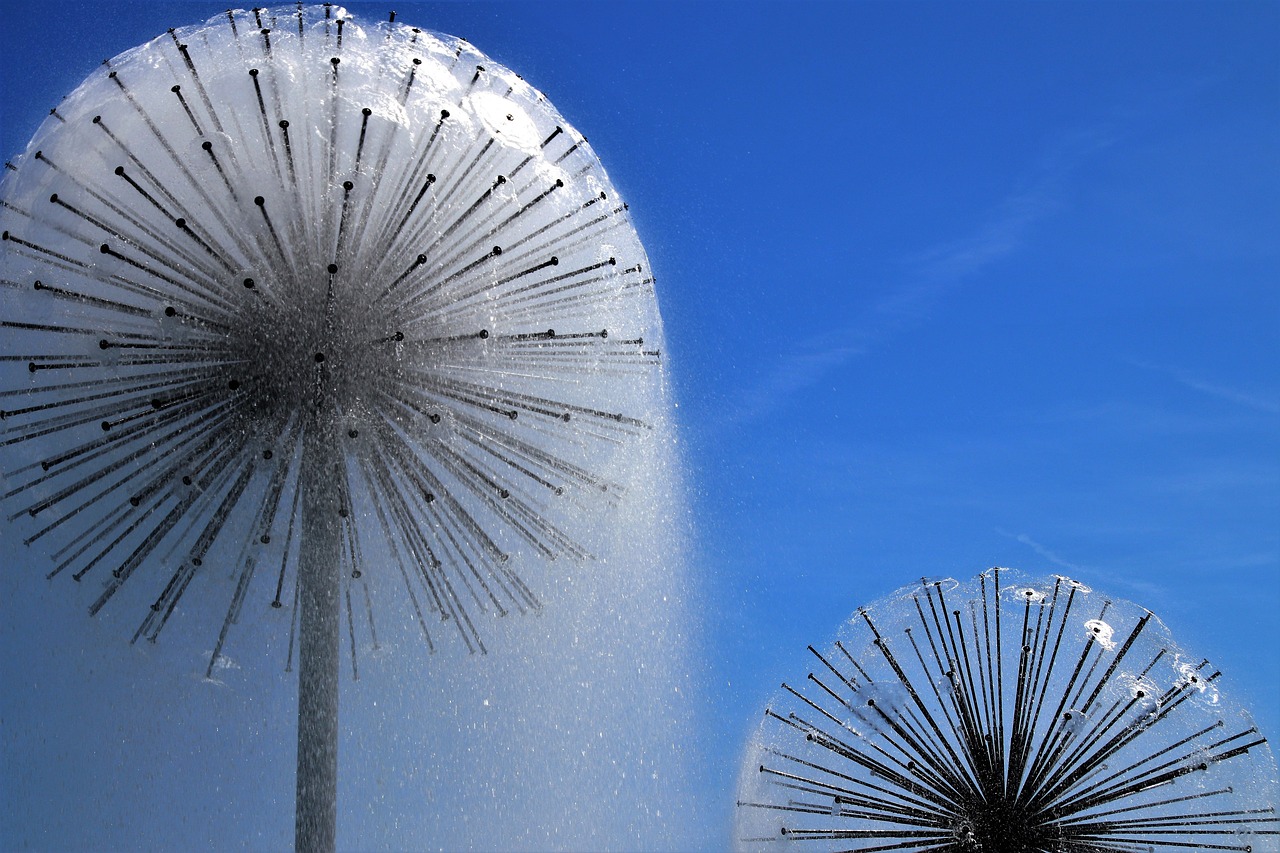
(343, 332)
(1006, 713)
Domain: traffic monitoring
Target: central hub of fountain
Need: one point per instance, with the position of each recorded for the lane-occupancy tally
(298, 347)
(1003, 824)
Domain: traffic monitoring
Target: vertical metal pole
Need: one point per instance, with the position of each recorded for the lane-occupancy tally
(319, 586)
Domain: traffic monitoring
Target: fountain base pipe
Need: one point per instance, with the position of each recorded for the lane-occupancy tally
(319, 584)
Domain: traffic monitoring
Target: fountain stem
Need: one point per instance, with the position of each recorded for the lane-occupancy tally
(319, 582)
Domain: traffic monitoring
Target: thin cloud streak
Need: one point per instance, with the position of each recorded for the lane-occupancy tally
(926, 278)
(929, 276)
(1042, 551)
(1187, 379)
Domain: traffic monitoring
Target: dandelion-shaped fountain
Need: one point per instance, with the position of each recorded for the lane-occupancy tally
(1007, 715)
(308, 291)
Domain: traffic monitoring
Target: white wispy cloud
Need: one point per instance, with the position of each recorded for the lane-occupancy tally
(1196, 382)
(1042, 551)
(924, 279)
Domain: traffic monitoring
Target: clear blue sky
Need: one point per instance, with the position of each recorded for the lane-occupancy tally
(945, 287)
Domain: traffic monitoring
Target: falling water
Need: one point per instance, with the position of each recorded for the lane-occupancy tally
(283, 248)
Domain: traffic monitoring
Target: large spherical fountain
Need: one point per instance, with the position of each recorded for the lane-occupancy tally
(298, 313)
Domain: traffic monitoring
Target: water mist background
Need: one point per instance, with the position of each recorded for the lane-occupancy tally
(943, 288)
(572, 733)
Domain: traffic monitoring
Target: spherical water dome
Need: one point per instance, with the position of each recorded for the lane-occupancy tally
(1006, 713)
(283, 226)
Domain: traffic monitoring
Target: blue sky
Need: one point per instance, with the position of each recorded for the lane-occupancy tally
(944, 288)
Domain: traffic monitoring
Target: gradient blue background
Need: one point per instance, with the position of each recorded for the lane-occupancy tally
(945, 287)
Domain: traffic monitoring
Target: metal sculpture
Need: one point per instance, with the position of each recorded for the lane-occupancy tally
(350, 312)
(1007, 715)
